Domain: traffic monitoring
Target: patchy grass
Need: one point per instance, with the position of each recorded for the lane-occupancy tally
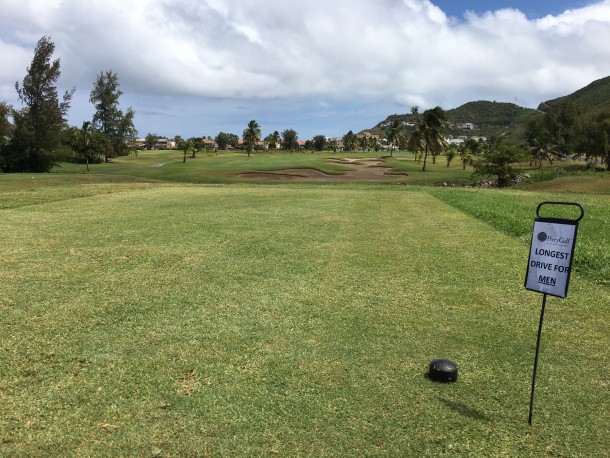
(20, 189)
(224, 167)
(597, 183)
(286, 320)
(513, 212)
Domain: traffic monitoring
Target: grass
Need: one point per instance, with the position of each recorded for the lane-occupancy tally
(513, 212)
(224, 167)
(582, 183)
(159, 319)
(18, 190)
(209, 167)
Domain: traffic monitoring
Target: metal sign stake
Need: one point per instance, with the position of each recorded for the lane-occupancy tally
(550, 264)
(536, 359)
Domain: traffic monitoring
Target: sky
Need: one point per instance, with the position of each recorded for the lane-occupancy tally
(321, 67)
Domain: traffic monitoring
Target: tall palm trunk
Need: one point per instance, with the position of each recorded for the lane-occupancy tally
(425, 158)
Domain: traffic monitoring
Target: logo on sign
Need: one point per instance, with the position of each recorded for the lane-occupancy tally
(542, 237)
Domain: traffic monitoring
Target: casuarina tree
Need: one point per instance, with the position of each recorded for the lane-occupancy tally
(109, 119)
(39, 124)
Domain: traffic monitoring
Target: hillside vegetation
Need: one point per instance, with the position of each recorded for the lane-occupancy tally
(489, 118)
(507, 119)
(492, 118)
(593, 97)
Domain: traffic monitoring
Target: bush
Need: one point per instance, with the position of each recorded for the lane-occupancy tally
(546, 175)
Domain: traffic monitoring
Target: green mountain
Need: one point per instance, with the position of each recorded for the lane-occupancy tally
(479, 119)
(594, 97)
(490, 119)
(487, 119)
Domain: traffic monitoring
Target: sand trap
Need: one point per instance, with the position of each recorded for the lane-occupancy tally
(363, 169)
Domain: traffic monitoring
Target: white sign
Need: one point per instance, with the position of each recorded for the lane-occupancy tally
(550, 260)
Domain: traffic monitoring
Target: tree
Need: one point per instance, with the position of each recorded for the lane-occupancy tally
(233, 140)
(276, 138)
(543, 148)
(450, 155)
(125, 133)
(105, 98)
(150, 140)
(273, 140)
(474, 146)
(290, 139)
(98, 146)
(361, 142)
(394, 134)
(416, 141)
(465, 157)
(560, 121)
(497, 161)
(319, 142)
(433, 122)
(251, 135)
(85, 144)
(108, 118)
(198, 145)
(593, 136)
(222, 140)
(187, 147)
(38, 125)
(334, 145)
(349, 141)
(6, 127)
(88, 145)
(415, 113)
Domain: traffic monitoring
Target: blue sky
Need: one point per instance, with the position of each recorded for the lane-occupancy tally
(533, 9)
(198, 67)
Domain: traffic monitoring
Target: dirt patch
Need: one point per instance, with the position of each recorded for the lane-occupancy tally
(161, 164)
(365, 169)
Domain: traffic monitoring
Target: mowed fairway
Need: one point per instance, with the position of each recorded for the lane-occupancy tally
(182, 320)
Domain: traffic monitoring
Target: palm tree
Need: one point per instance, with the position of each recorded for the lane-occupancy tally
(415, 113)
(363, 142)
(277, 138)
(394, 134)
(373, 143)
(85, 130)
(433, 121)
(416, 141)
(543, 147)
(465, 157)
(251, 135)
(186, 146)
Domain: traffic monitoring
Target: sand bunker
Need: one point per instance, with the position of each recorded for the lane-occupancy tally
(366, 169)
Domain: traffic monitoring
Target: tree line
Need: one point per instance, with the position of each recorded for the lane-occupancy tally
(37, 137)
(568, 129)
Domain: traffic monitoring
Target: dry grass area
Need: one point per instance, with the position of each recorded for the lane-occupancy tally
(598, 183)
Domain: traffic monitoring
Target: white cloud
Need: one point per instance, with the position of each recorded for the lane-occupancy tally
(12, 68)
(402, 50)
